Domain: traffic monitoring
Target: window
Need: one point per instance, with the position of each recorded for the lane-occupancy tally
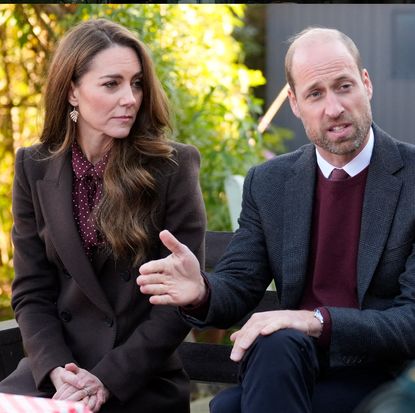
(403, 45)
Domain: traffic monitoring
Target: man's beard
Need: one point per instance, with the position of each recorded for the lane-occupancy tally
(349, 145)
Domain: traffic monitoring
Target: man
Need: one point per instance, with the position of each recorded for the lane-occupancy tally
(340, 250)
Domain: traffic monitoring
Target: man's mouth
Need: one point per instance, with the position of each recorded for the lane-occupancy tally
(338, 128)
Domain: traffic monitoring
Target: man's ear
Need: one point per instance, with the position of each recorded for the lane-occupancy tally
(293, 102)
(73, 95)
(367, 83)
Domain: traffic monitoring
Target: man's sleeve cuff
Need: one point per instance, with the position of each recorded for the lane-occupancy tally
(199, 311)
(325, 337)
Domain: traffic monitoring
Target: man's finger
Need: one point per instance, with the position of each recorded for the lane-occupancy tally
(238, 350)
(153, 267)
(161, 300)
(234, 335)
(151, 279)
(153, 289)
(172, 243)
(242, 343)
(237, 354)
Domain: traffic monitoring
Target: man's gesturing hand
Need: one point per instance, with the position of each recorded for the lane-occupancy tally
(174, 280)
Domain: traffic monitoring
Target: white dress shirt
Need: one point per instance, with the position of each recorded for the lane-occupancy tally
(356, 165)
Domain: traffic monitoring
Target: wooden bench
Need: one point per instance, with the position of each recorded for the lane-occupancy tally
(204, 362)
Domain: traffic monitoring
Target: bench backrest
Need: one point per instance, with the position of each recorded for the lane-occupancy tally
(205, 362)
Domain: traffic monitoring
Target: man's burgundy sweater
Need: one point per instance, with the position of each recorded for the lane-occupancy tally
(332, 277)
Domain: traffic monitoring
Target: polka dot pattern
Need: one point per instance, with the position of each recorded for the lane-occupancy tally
(86, 194)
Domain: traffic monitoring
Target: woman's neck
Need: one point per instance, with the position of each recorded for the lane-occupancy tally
(95, 149)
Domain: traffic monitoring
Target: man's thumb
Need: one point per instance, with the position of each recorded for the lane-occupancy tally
(171, 242)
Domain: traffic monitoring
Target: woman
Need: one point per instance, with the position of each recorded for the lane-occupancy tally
(88, 203)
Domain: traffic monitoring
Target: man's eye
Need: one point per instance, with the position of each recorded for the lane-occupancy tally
(314, 94)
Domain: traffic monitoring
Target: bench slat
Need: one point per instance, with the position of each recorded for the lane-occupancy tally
(215, 245)
(208, 362)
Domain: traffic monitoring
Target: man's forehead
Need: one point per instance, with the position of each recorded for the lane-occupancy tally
(325, 59)
(318, 35)
(318, 47)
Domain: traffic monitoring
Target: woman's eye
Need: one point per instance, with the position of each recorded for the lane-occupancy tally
(110, 84)
(137, 84)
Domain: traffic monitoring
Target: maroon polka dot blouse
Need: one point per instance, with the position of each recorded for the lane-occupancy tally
(86, 193)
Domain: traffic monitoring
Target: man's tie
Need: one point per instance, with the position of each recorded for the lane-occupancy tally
(338, 175)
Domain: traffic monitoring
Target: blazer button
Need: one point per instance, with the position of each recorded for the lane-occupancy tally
(125, 275)
(66, 316)
(109, 322)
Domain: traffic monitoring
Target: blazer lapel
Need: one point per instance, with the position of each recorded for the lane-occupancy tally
(379, 205)
(298, 208)
(55, 194)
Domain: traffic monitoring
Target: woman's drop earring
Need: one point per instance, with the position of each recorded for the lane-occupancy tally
(74, 115)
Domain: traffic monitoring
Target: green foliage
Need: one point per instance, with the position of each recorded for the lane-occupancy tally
(6, 273)
(26, 36)
(198, 60)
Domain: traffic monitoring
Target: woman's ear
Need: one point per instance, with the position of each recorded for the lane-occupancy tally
(73, 95)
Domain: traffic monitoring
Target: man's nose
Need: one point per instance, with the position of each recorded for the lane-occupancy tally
(333, 106)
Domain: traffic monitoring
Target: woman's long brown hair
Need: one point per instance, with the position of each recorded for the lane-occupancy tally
(125, 213)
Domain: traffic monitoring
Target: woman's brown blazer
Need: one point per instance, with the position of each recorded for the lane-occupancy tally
(70, 309)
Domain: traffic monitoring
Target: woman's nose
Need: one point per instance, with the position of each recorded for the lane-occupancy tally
(128, 97)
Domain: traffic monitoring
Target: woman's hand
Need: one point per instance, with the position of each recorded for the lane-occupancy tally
(76, 384)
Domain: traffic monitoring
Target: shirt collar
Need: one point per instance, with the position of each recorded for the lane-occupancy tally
(356, 165)
(82, 167)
